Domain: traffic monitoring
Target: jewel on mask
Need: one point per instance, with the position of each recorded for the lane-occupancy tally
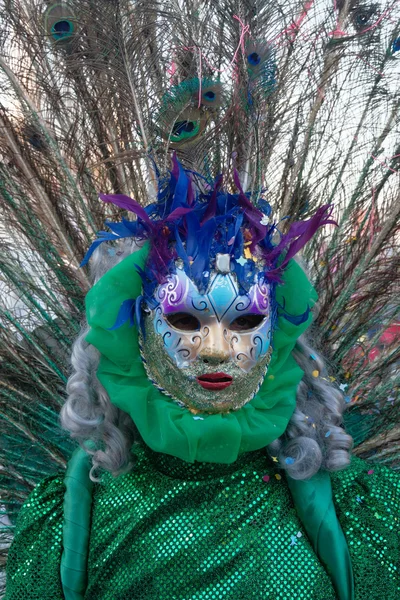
(223, 263)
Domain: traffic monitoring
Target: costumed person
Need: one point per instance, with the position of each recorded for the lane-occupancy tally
(213, 458)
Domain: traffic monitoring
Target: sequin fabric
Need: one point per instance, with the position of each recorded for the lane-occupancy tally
(175, 531)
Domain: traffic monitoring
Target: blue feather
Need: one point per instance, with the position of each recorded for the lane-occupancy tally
(181, 190)
(181, 251)
(126, 313)
(139, 315)
(295, 319)
(264, 206)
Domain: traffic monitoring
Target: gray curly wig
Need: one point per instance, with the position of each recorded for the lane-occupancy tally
(314, 437)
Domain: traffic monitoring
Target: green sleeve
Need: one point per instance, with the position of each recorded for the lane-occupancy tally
(367, 503)
(33, 565)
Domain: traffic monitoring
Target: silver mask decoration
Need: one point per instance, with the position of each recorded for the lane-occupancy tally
(208, 351)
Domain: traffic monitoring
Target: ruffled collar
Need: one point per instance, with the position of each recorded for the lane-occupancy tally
(166, 427)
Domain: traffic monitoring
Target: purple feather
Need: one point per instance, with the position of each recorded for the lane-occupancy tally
(300, 233)
(190, 194)
(212, 204)
(177, 213)
(127, 204)
(175, 167)
(253, 215)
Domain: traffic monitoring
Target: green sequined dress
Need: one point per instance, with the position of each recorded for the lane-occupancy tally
(170, 530)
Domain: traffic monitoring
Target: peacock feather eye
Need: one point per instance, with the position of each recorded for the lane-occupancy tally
(396, 46)
(187, 108)
(210, 96)
(261, 68)
(185, 130)
(363, 18)
(254, 59)
(60, 23)
(62, 29)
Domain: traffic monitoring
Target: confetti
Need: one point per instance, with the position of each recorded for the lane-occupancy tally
(358, 499)
(265, 478)
(328, 433)
(315, 373)
(271, 377)
(198, 419)
(343, 386)
(289, 460)
(332, 379)
(299, 534)
(313, 356)
(264, 220)
(247, 253)
(293, 540)
(347, 399)
(370, 472)
(274, 458)
(347, 375)
(278, 477)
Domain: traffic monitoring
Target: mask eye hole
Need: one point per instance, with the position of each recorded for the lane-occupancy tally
(246, 322)
(183, 321)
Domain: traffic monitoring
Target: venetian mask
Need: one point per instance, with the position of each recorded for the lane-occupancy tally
(209, 352)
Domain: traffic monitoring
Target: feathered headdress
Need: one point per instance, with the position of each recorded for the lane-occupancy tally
(195, 226)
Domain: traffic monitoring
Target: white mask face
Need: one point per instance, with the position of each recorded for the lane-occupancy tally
(209, 351)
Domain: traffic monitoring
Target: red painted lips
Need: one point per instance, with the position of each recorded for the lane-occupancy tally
(215, 381)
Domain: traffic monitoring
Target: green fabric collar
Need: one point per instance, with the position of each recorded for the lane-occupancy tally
(163, 425)
(314, 504)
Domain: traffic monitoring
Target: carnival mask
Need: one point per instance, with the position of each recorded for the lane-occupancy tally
(208, 351)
